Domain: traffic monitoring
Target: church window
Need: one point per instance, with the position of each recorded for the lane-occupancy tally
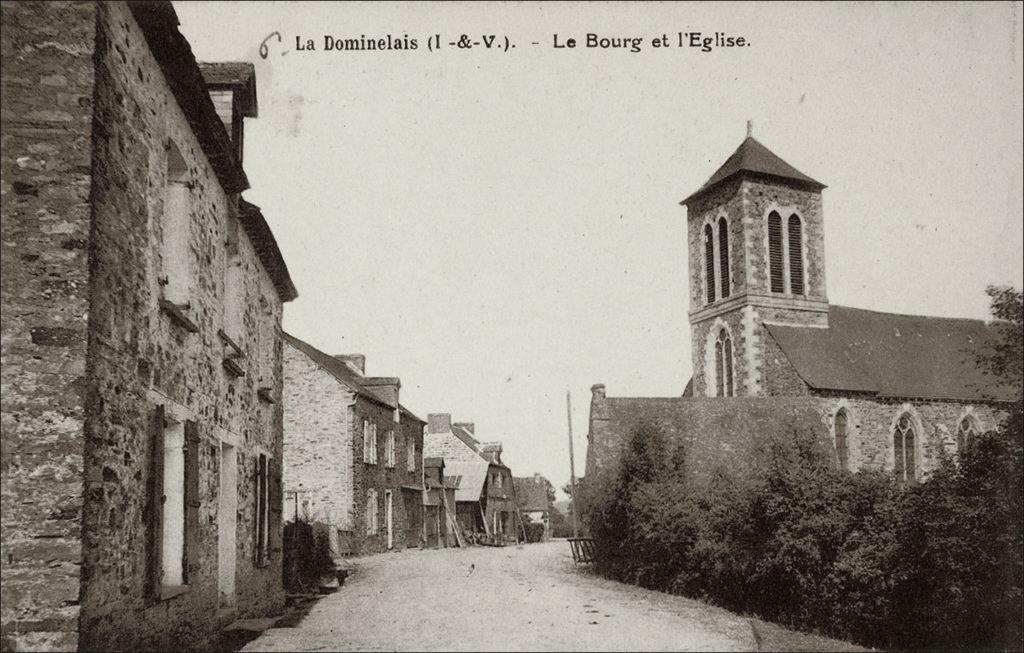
(796, 256)
(723, 365)
(903, 446)
(965, 432)
(709, 261)
(775, 272)
(842, 441)
(723, 255)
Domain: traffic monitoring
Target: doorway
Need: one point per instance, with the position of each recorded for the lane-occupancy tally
(389, 517)
(227, 524)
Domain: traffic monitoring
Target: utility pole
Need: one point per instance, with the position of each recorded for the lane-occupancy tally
(572, 469)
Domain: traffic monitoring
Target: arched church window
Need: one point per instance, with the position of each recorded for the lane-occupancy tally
(723, 365)
(965, 432)
(796, 256)
(709, 261)
(775, 252)
(723, 255)
(842, 441)
(903, 436)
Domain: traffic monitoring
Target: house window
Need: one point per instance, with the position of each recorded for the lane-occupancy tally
(369, 443)
(775, 270)
(234, 285)
(389, 449)
(371, 512)
(723, 255)
(410, 456)
(723, 365)
(842, 443)
(262, 510)
(172, 503)
(175, 255)
(965, 432)
(266, 330)
(709, 261)
(905, 464)
(796, 256)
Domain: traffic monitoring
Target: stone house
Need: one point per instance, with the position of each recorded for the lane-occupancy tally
(353, 453)
(142, 300)
(890, 391)
(438, 505)
(533, 494)
(485, 502)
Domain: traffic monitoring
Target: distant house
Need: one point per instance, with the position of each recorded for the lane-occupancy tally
(353, 453)
(484, 497)
(533, 494)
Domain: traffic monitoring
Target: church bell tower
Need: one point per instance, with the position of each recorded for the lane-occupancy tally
(757, 254)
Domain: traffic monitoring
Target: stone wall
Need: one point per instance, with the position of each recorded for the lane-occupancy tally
(318, 451)
(141, 357)
(872, 421)
(47, 83)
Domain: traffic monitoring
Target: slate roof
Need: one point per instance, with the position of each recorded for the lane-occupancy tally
(335, 368)
(753, 158)
(471, 477)
(159, 24)
(531, 491)
(239, 76)
(892, 355)
(262, 238)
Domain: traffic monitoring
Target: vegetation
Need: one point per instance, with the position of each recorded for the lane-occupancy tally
(933, 566)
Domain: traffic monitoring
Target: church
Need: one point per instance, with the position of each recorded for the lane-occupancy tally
(883, 390)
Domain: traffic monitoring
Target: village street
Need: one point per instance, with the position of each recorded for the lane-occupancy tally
(514, 598)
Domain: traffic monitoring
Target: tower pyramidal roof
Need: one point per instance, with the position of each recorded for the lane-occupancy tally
(753, 158)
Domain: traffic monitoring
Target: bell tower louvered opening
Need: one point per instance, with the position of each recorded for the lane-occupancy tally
(723, 255)
(709, 261)
(796, 256)
(777, 279)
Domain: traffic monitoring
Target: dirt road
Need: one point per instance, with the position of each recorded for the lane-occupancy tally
(513, 598)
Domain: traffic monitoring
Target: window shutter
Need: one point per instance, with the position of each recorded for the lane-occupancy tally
(709, 261)
(153, 515)
(796, 256)
(192, 502)
(775, 252)
(261, 508)
(723, 254)
(276, 501)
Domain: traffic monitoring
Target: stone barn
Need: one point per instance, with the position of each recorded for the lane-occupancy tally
(142, 299)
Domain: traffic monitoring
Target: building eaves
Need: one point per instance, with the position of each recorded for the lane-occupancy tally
(262, 238)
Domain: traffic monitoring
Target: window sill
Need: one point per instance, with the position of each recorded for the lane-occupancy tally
(177, 314)
(233, 368)
(168, 592)
(236, 350)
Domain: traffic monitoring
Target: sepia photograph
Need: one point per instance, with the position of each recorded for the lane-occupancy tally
(511, 326)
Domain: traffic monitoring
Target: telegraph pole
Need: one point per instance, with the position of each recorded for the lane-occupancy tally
(572, 469)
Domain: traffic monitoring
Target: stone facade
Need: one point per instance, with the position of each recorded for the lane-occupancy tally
(329, 478)
(125, 363)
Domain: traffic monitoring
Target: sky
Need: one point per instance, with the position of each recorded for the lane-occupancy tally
(500, 227)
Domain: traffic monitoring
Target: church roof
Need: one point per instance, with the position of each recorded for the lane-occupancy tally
(892, 355)
(754, 158)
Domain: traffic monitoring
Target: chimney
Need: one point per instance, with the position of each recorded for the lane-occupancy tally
(468, 426)
(750, 128)
(355, 362)
(439, 423)
(597, 391)
(384, 386)
(232, 87)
